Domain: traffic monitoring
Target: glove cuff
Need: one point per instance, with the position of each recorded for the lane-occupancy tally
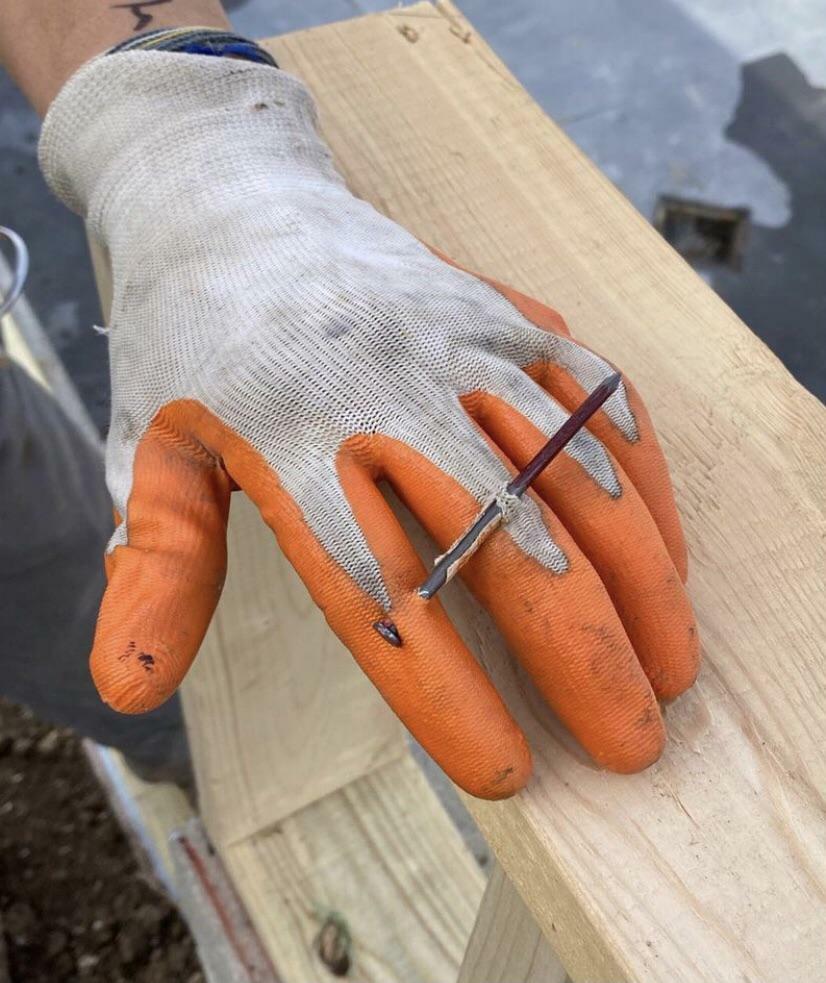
(139, 134)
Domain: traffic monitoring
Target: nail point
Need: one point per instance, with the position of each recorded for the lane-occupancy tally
(389, 632)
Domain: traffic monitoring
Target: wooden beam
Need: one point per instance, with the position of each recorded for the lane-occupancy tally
(711, 865)
(381, 859)
(507, 945)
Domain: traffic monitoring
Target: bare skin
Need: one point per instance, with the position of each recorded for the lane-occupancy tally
(43, 42)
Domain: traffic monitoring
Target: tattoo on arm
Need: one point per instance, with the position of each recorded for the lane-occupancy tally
(141, 17)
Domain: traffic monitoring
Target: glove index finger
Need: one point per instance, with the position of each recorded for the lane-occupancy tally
(165, 580)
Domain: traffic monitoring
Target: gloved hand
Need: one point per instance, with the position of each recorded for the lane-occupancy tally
(271, 332)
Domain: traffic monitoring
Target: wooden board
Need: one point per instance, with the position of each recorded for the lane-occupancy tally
(382, 857)
(712, 865)
(507, 945)
(277, 712)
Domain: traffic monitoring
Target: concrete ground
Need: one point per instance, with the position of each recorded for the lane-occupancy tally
(718, 103)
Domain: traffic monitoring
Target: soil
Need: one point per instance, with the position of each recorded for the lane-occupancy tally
(74, 904)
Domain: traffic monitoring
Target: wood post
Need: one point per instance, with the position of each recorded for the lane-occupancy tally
(506, 945)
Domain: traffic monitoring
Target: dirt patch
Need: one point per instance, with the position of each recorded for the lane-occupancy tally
(75, 906)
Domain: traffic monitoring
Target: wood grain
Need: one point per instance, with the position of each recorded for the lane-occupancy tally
(382, 857)
(506, 945)
(712, 865)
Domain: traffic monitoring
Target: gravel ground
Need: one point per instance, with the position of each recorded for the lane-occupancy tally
(74, 905)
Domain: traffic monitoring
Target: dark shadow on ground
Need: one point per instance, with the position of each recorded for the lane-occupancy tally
(781, 293)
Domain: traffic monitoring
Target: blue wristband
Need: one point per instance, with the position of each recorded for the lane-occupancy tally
(197, 41)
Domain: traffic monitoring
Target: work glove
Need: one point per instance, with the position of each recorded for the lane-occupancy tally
(273, 333)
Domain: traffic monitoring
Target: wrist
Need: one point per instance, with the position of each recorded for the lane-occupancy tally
(143, 136)
(43, 43)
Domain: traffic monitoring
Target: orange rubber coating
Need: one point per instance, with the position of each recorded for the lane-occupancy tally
(164, 585)
(601, 641)
(153, 606)
(622, 543)
(562, 628)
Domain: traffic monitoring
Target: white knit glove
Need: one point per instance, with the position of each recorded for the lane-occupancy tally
(272, 332)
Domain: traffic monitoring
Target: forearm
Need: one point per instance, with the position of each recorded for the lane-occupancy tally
(42, 42)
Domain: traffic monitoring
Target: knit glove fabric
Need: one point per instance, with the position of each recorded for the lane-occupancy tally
(273, 333)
